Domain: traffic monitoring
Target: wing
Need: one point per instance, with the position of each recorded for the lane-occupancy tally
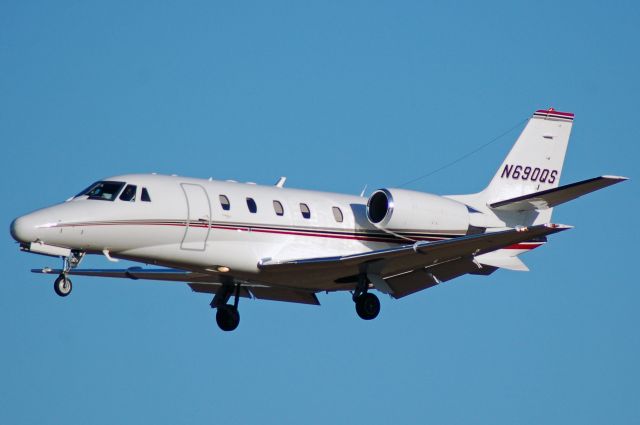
(406, 269)
(559, 195)
(397, 271)
(199, 282)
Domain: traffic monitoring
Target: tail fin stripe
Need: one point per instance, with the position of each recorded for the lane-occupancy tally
(551, 113)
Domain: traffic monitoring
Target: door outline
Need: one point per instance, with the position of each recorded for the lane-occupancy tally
(195, 200)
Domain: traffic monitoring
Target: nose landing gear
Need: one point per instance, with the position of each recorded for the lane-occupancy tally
(62, 285)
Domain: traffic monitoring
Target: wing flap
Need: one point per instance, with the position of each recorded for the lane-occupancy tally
(286, 295)
(262, 292)
(419, 279)
(213, 288)
(411, 282)
(552, 197)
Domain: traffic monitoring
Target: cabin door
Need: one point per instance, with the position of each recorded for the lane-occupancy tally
(198, 217)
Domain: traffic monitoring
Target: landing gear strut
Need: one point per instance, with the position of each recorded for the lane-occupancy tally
(367, 304)
(227, 316)
(62, 285)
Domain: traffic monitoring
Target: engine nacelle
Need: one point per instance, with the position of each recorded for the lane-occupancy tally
(406, 210)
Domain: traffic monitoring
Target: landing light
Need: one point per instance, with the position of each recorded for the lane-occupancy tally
(221, 269)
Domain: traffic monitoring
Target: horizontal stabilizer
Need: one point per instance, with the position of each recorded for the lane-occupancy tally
(552, 197)
(502, 261)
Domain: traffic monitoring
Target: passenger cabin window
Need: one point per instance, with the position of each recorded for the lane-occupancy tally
(304, 209)
(224, 202)
(337, 214)
(277, 207)
(251, 204)
(129, 193)
(144, 196)
(104, 191)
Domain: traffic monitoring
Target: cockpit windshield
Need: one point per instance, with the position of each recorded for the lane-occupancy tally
(104, 190)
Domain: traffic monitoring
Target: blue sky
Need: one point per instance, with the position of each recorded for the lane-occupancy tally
(334, 95)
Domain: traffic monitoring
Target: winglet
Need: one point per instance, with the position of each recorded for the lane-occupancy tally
(559, 227)
(619, 178)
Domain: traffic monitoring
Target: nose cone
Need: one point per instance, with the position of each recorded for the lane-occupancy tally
(23, 229)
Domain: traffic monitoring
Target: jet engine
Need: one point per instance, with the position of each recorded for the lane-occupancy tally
(407, 210)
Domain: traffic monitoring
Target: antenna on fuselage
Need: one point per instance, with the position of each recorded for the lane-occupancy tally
(363, 190)
(281, 181)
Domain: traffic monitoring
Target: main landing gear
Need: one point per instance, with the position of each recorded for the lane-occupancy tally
(367, 304)
(227, 316)
(62, 285)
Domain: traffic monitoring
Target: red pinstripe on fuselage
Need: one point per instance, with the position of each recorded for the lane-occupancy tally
(362, 235)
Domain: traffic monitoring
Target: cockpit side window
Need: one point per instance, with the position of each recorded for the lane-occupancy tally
(144, 196)
(104, 190)
(129, 193)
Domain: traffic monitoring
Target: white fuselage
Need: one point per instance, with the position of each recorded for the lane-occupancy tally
(203, 225)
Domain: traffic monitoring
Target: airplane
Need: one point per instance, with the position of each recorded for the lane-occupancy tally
(242, 240)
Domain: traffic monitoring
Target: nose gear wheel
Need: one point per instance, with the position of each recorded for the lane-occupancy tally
(62, 285)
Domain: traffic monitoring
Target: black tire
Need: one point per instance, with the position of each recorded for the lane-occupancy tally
(62, 286)
(368, 306)
(227, 318)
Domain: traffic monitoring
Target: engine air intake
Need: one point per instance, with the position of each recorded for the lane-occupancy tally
(379, 205)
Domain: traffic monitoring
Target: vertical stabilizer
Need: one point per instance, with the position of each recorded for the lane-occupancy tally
(535, 160)
(534, 164)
